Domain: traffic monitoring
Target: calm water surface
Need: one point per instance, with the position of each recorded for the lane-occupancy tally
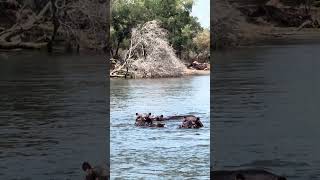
(266, 110)
(52, 115)
(165, 153)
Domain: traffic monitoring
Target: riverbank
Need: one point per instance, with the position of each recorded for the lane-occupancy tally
(270, 22)
(281, 35)
(194, 72)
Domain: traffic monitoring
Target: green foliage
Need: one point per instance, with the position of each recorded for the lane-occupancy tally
(174, 16)
(202, 43)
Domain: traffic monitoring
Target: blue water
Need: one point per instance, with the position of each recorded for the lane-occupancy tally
(162, 153)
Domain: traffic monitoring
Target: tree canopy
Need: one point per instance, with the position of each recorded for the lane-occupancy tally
(174, 15)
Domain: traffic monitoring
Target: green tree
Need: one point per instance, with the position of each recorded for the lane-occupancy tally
(174, 15)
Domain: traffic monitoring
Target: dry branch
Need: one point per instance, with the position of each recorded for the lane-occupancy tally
(6, 36)
(150, 55)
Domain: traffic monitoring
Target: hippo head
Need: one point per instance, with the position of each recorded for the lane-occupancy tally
(240, 177)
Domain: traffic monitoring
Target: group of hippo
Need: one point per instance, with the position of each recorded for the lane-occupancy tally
(148, 120)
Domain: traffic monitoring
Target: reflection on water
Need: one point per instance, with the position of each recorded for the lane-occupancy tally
(158, 153)
(52, 115)
(265, 110)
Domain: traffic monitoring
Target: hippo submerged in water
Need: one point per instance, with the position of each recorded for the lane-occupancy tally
(147, 121)
(248, 174)
(191, 122)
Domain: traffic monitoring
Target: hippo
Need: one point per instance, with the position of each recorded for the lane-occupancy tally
(191, 122)
(157, 125)
(178, 117)
(138, 116)
(159, 118)
(147, 121)
(247, 174)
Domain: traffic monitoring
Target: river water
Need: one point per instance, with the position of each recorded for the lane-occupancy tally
(163, 153)
(266, 109)
(52, 115)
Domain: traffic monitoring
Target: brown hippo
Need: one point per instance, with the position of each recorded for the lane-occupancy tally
(95, 173)
(157, 125)
(159, 118)
(248, 174)
(138, 116)
(140, 120)
(191, 122)
(147, 121)
(198, 123)
(177, 117)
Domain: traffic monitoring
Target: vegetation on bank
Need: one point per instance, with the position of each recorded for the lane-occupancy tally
(183, 30)
(49, 24)
(237, 23)
(150, 38)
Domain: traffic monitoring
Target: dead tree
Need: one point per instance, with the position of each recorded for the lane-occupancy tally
(149, 55)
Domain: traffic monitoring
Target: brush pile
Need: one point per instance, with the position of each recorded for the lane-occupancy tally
(149, 55)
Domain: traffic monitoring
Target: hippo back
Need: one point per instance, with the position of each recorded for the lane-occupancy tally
(250, 174)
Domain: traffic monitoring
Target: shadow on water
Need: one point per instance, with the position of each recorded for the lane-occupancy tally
(52, 115)
(264, 110)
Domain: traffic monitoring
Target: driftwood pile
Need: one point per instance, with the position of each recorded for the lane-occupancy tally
(149, 55)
